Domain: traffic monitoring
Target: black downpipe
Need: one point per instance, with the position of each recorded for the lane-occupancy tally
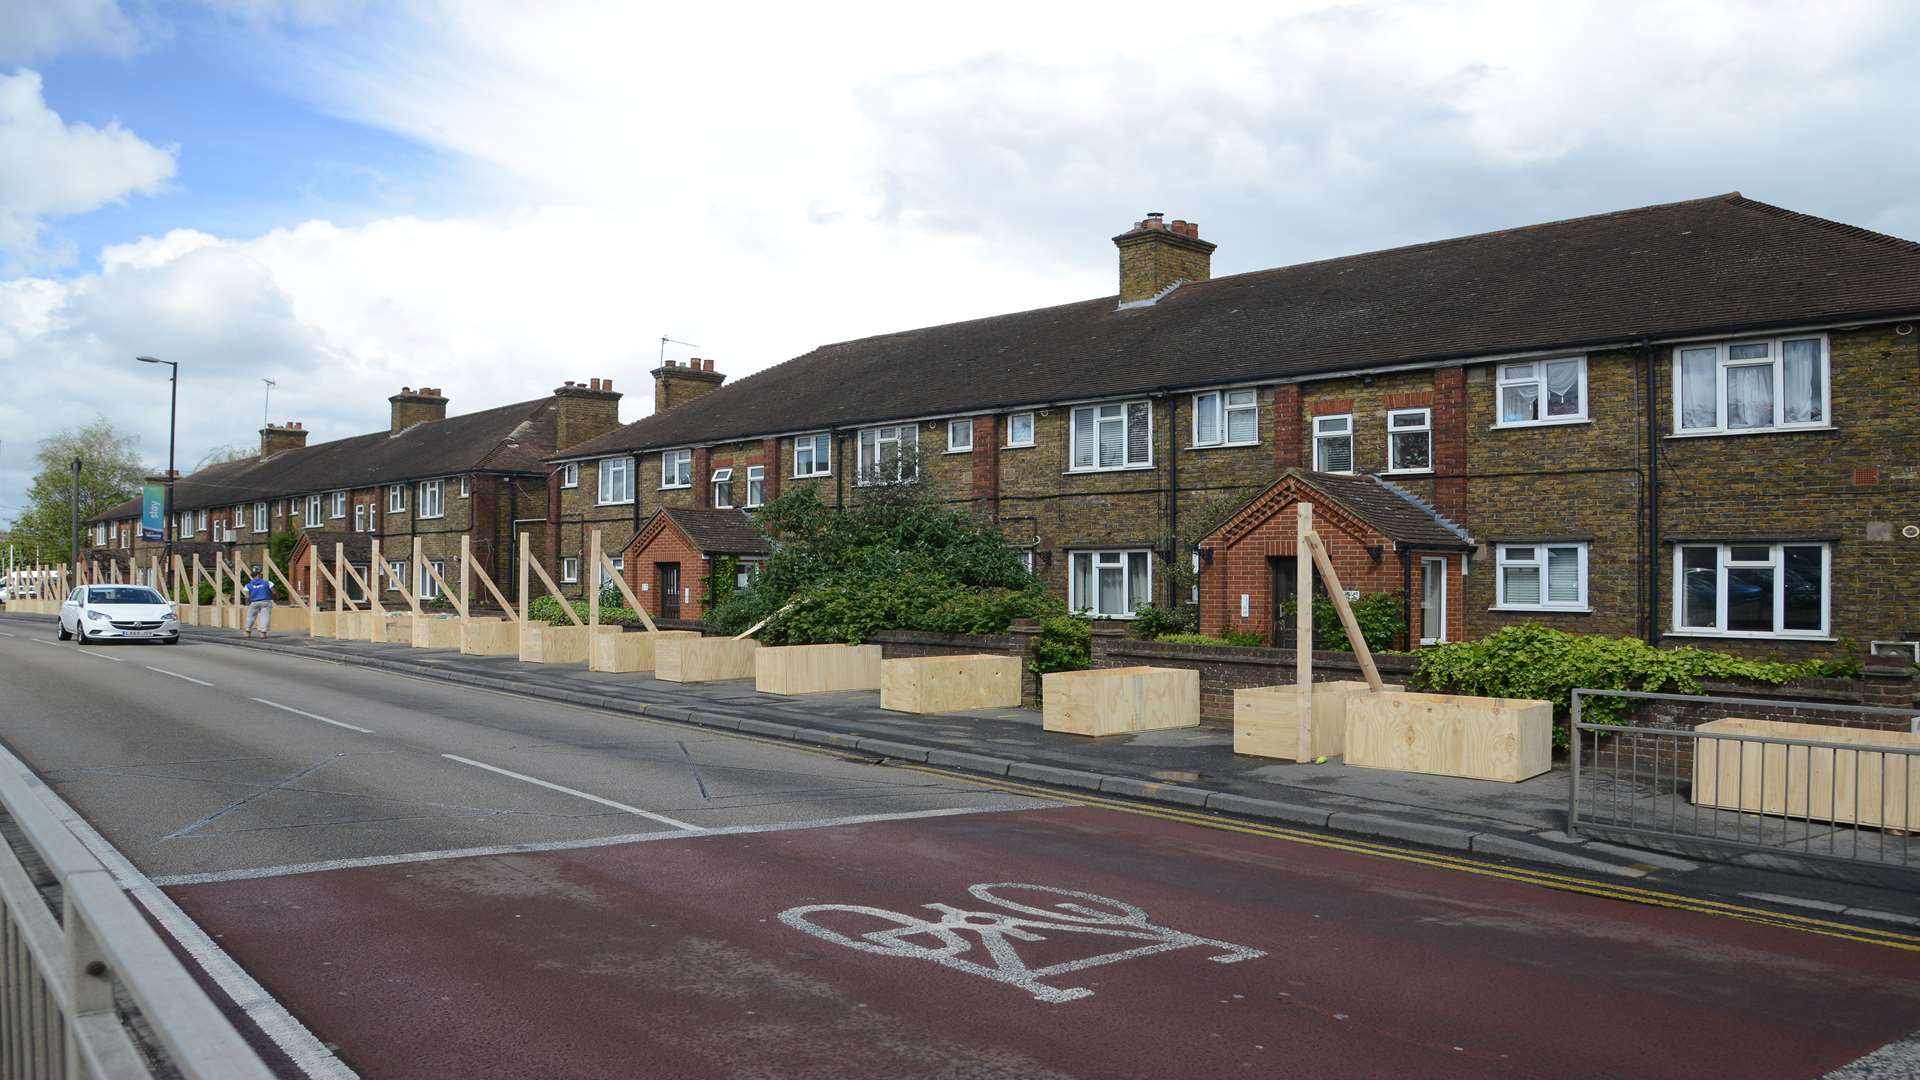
(513, 539)
(1173, 499)
(1653, 497)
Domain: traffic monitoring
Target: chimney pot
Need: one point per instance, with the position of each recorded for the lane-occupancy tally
(608, 385)
(1158, 253)
(593, 384)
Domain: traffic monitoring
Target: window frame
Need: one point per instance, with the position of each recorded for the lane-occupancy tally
(1353, 466)
(1073, 436)
(1427, 565)
(814, 440)
(396, 498)
(722, 476)
(605, 469)
(756, 487)
(466, 486)
(1723, 561)
(260, 520)
(1777, 361)
(672, 458)
(359, 517)
(960, 426)
(1425, 428)
(569, 569)
(1223, 401)
(314, 515)
(1538, 378)
(1542, 562)
(570, 475)
(396, 580)
(336, 505)
(1125, 561)
(1013, 443)
(427, 588)
(437, 502)
(864, 472)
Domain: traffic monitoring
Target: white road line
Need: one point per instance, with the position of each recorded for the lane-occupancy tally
(5, 634)
(307, 1053)
(662, 818)
(100, 656)
(311, 716)
(177, 675)
(214, 877)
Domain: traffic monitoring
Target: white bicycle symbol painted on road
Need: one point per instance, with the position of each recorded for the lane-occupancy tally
(1082, 913)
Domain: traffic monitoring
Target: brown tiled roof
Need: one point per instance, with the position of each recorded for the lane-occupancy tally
(359, 546)
(1707, 266)
(1387, 508)
(719, 532)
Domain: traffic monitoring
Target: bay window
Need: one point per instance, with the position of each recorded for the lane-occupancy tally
(1118, 436)
(889, 455)
(1734, 386)
(1541, 577)
(1543, 392)
(1226, 418)
(676, 469)
(1333, 443)
(1751, 590)
(616, 480)
(1410, 440)
(1109, 584)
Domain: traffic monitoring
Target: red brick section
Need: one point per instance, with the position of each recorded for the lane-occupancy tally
(702, 475)
(1418, 399)
(662, 543)
(1450, 442)
(770, 457)
(1332, 406)
(1287, 443)
(986, 467)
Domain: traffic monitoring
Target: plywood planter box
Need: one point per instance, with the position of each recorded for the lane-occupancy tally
(1448, 735)
(816, 669)
(289, 620)
(393, 628)
(432, 632)
(490, 637)
(703, 659)
(322, 623)
(945, 684)
(355, 626)
(1846, 787)
(1117, 701)
(542, 643)
(1266, 720)
(630, 651)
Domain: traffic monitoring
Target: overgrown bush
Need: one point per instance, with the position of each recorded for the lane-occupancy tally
(1064, 643)
(1379, 614)
(1151, 623)
(548, 610)
(1235, 638)
(1536, 662)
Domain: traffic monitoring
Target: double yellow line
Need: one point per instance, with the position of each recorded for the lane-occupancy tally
(1891, 939)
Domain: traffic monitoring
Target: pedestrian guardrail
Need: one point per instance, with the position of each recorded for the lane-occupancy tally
(1845, 791)
(61, 973)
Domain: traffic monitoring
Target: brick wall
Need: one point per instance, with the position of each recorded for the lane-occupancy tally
(1224, 670)
(667, 545)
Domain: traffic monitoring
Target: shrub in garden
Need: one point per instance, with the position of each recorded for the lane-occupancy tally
(548, 610)
(1064, 643)
(1231, 638)
(1151, 623)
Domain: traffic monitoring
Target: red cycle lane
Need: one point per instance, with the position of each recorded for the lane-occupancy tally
(1067, 943)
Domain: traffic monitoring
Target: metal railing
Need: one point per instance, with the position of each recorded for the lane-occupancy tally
(60, 973)
(1850, 799)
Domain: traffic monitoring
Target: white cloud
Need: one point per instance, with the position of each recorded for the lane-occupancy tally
(51, 168)
(33, 29)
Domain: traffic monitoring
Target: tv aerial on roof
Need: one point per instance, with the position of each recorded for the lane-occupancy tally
(665, 340)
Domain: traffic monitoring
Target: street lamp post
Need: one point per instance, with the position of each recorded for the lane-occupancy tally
(167, 524)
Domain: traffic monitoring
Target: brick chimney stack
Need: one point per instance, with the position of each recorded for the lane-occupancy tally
(287, 436)
(412, 407)
(1156, 253)
(676, 384)
(584, 411)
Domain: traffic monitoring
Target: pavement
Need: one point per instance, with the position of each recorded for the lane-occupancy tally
(404, 873)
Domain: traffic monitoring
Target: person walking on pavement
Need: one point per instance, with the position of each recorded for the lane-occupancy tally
(259, 604)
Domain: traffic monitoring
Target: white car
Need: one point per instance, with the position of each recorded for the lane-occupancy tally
(118, 613)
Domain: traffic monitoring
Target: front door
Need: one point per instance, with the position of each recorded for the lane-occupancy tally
(669, 589)
(1284, 574)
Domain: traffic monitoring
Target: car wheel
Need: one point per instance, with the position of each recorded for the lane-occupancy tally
(80, 631)
(171, 641)
(64, 636)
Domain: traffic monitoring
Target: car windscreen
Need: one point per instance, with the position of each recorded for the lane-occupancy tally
(123, 596)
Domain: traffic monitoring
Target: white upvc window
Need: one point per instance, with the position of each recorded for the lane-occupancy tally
(959, 436)
(337, 504)
(1020, 429)
(313, 511)
(1733, 386)
(186, 523)
(359, 517)
(1752, 590)
(1540, 577)
(569, 568)
(889, 455)
(1109, 584)
(1116, 436)
(239, 518)
(397, 575)
(260, 517)
(570, 475)
(1026, 559)
(619, 564)
(723, 489)
(616, 480)
(432, 499)
(1333, 443)
(813, 455)
(1542, 392)
(1409, 440)
(466, 486)
(100, 535)
(756, 485)
(1226, 418)
(396, 498)
(676, 469)
(430, 588)
(203, 521)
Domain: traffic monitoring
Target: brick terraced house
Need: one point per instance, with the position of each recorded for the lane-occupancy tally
(428, 475)
(1696, 422)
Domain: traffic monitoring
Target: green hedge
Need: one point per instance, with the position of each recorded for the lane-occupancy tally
(1230, 638)
(548, 610)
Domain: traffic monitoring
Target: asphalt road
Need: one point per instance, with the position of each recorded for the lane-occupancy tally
(443, 882)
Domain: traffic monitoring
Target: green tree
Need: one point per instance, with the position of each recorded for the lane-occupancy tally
(110, 473)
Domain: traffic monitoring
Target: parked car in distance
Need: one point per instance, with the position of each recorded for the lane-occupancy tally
(118, 613)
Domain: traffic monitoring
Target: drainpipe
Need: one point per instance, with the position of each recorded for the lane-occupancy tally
(1173, 495)
(1653, 496)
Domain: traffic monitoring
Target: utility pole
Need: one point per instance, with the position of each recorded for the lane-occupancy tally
(169, 527)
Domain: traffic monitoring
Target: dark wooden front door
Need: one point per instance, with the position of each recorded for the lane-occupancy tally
(1285, 630)
(669, 589)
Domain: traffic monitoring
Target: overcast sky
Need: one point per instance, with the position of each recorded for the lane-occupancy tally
(348, 197)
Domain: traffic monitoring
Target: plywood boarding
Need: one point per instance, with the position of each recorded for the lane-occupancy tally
(944, 684)
(391, 627)
(288, 619)
(1853, 787)
(1448, 735)
(541, 643)
(703, 659)
(321, 623)
(816, 669)
(1266, 720)
(490, 637)
(631, 651)
(1117, 701)
(436, 632)
(355, 626)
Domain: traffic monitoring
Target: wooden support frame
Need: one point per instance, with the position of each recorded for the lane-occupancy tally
(601, 563)
(527, 563)
(467, 566)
